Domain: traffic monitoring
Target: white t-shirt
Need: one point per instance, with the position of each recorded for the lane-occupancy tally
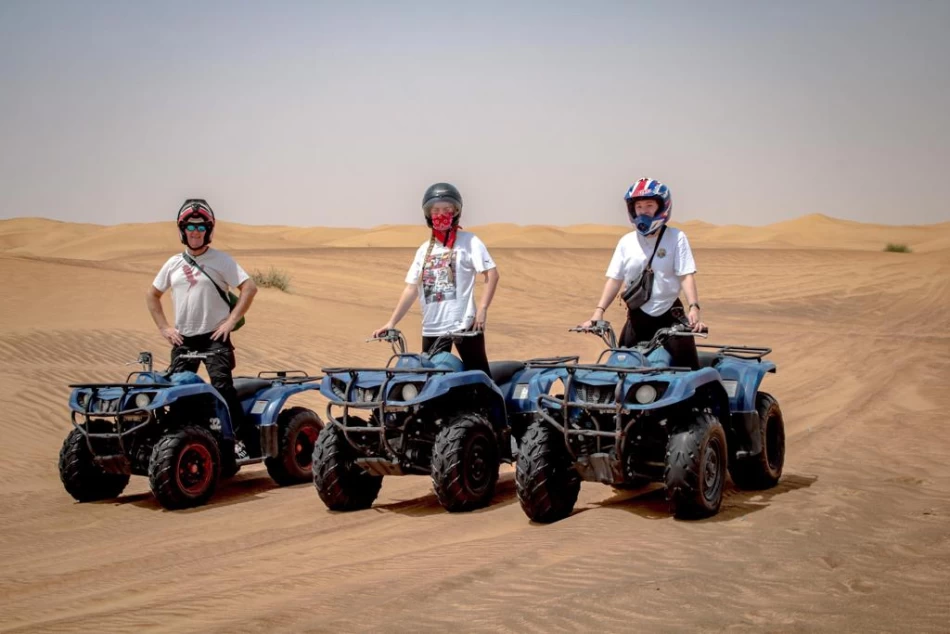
(447, 286)
(673, 259)
(199, 308)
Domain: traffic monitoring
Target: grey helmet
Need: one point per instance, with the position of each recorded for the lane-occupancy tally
(442, 193)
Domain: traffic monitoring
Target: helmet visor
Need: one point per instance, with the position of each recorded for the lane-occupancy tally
(427, 208)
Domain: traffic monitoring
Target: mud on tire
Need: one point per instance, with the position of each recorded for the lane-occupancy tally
(340, 483)
(298, 429)
(696, 468)
(764, 470)
(82, 477)
(546, 481)
(465, 463)
(184, 468)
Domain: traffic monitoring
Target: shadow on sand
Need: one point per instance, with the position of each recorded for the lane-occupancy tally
(429, 504)
(650, 502)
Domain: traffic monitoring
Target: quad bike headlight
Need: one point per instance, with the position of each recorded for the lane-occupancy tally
(409, 391)
(645, 394)
(142, 400)
(339, 388)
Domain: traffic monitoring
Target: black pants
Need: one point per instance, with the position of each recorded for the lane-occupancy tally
(471, 350)
(219, 366)
(641, 327)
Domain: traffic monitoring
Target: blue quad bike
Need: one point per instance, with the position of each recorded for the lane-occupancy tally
(176, 429)
(630, 419)
(424, 414)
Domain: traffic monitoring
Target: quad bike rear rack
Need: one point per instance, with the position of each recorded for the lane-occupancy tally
(284, 377)
(749, 353)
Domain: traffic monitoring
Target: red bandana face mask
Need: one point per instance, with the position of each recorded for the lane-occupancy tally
(442, 228)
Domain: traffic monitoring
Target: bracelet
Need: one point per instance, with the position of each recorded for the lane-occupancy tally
(694, 304)
(602, 309)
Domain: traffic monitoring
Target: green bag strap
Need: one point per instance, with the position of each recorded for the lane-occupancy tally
(190, 260)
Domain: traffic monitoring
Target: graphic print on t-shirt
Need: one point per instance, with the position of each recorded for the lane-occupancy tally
(189, 275)
(438, 277)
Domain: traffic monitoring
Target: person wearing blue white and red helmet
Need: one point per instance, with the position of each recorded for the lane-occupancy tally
(649, 207)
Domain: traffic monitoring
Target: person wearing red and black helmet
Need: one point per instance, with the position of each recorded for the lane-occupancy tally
(666, 252)
(199, 279)
(442, 276)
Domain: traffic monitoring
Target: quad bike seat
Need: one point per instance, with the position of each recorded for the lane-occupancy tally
(706, 358)
(502, 371)
(247, 387)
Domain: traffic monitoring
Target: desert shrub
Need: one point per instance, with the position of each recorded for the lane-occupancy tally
(274, 278)
(897, 248)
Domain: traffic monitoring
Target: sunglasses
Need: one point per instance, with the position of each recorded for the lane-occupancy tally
(201, 228)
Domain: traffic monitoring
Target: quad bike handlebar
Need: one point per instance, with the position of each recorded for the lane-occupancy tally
(200, 356)
(395, 338)
(454, 336)
(602, 329)
(145, 360)
(605, 331)
(398, 341)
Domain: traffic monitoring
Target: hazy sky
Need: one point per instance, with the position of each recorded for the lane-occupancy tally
(342, 113)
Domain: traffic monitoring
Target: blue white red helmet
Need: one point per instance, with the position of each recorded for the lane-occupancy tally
(649, 189)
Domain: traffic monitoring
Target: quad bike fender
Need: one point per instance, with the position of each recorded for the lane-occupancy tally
(463, 382)
(744, 437)
(742, 379)
(521, 393)
(265, 408)
(689, 387)
(182, 393)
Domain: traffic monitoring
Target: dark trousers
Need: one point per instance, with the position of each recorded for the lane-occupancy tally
(218, 365)
(641, 327)
(471, 350)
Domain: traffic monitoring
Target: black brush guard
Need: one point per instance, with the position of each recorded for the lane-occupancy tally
(381, 406)
(599, 466)
(116, 463)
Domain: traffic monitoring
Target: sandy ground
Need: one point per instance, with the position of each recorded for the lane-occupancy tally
(856, 537)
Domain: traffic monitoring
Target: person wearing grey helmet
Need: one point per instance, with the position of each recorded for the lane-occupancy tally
(442, 276)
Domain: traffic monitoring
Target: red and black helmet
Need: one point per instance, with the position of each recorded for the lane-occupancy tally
(192, 209)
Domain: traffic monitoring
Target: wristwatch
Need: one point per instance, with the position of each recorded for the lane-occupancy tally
(694, 304)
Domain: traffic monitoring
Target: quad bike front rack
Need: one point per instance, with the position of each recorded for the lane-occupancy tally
(382, 405)
(109, 411)
(563, 403)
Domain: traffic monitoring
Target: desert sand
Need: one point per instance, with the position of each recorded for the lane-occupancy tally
(856, 537)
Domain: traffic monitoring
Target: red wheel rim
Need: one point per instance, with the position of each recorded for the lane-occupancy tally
(195, 467)
(304, 443)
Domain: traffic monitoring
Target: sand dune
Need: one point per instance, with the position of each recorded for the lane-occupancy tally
(855, 538)
(48, 238)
